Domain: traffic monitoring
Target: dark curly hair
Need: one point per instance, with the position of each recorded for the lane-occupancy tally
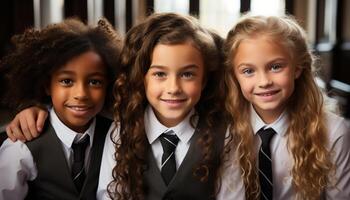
(38, 53)
(131, 101)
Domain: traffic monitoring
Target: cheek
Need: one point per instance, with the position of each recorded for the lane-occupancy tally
(152, 89)
(246, 86)
(56, 94)
(288, 83)
(99, 95)
(194, 90)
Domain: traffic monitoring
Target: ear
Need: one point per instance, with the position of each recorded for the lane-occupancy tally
(298, 71)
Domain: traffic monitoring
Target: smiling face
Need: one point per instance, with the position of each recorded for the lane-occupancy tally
(266, 75)
(174, 81)
(78, 90)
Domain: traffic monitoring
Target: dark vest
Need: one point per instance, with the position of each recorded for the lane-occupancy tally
(54, 177)
(184, 184)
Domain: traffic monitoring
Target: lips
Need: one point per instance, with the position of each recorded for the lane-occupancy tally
(174, 103)
(79, 107)
(173, 100)
(79, 110)
(267, 93)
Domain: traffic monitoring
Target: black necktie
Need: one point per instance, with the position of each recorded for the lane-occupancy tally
(78, 172)
(265, 169)
(168, 168)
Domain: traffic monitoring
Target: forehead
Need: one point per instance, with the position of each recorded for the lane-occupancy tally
(85, 63)
(176, 55)
(261, 48)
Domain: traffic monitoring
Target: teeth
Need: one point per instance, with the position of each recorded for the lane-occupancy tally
(78, 108)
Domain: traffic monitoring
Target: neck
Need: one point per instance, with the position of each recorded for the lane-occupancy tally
(269, 116)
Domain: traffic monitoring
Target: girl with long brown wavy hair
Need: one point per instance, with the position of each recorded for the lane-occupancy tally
(271, 83)
(170, 80)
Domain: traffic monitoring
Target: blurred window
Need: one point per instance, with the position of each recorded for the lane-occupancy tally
(219, 15)
(179, 6)
(267, 7)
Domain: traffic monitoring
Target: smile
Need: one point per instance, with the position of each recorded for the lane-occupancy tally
(268, 93)
(173, 101)
(79, 108)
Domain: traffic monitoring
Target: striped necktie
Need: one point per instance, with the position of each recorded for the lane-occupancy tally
(265, 168)
(78, 171)
(168, 168)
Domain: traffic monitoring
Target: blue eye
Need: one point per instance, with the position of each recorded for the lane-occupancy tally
(248, 71)
(276, 67)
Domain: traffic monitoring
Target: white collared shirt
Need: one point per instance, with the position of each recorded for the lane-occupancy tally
(153, 129)
(17, 165)
(184, 131)
(282, 161)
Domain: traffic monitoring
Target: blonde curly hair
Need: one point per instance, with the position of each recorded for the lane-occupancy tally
(307, 133)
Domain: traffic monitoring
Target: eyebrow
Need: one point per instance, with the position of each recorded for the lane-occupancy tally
(245, 64)
(67, 72)
(184, 67)
(278, 59)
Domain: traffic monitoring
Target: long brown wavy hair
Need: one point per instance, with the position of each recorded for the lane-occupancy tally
(131, 101)
(307, 133)
(39, 53)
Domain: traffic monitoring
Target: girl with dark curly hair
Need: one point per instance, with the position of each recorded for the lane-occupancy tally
(71, 66)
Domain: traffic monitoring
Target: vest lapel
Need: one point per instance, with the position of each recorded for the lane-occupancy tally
(191, 159)
(93, 172)
(153, 173)
(53, 164)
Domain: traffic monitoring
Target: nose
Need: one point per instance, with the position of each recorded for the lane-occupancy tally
(80, 91)
(264, 80)
(173, 86)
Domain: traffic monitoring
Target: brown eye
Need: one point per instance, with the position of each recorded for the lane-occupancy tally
(95, 82)
(66, 82)
(187, 75)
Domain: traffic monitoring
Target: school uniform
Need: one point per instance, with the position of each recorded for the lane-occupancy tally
(282, 161)
(41, 169)
(187, 155)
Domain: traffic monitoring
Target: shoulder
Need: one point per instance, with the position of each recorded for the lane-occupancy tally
(112, 135)
(14, 152)
(337, 128)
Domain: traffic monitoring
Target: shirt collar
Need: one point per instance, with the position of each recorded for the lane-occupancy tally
(67, 135)
(280, 125)
(154, 128)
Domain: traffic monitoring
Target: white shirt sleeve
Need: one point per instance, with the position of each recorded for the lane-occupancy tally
(107, 163)
(17, 167)
(340, 154)
(232, 186)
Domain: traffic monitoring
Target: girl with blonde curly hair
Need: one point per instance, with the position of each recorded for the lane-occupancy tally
(286, 144)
